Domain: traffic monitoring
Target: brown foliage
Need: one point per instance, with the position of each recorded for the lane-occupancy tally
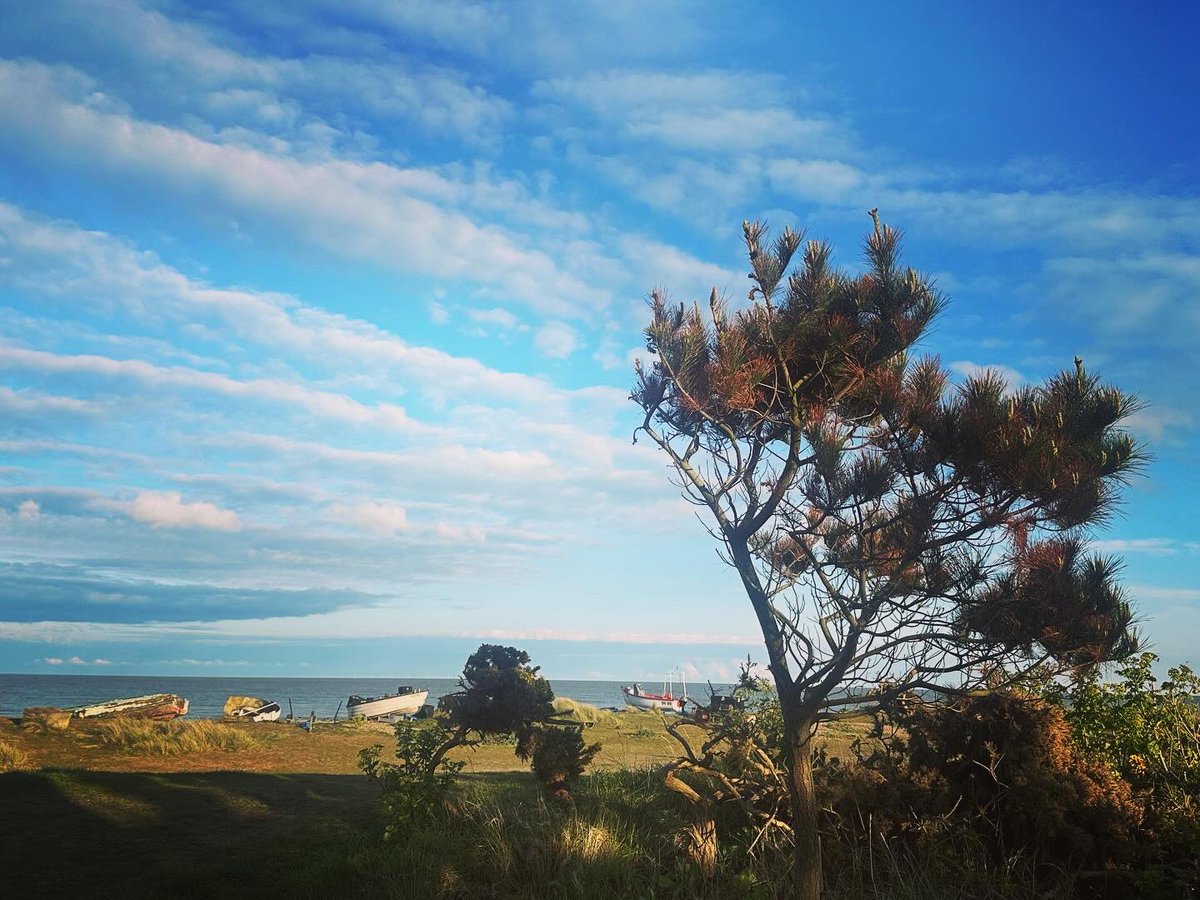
(1002, 765)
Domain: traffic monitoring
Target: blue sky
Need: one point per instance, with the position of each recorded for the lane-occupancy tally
(318, 317)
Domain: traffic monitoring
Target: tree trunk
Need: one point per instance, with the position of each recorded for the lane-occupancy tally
(806, 867)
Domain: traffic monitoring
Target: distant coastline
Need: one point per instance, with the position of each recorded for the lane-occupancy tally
(207, 695)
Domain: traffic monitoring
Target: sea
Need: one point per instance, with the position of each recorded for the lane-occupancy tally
(301, 697)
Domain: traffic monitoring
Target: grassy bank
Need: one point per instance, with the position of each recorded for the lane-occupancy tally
(245, 834)
(207, 809)
(629, 740)
(217, 834)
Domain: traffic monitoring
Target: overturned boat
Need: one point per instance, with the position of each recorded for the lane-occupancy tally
(407, 701)
(252, 708)
(159, 707)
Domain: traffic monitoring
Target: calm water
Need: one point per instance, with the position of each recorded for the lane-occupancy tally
(208, 695)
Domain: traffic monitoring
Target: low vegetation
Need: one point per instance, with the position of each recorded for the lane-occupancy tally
(142, 738)
(585, 712)
(1078, 793)
(12, 757)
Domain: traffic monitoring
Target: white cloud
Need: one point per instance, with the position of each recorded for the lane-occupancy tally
(819, 179)
(1152, 293)
(381, 516)
(29, 511)
(346, 624)
(714, 112)
(53, 660)
(501, 318)
(325, 403)
(681, 273)
(167, 509)
(1158, 594)
(77, 661)
(361, 211)
(56, 259)
(1148, 546)
(1158, 422)
(969, 369)
(556, 340)
(26, 401)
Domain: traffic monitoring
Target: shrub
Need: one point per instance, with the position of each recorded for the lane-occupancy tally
(501, 692)
(414, 788)
(1009, 763)
(558, 755)
(1149, 733)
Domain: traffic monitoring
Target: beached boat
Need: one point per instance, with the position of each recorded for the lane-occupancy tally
(151, 706)
(407, 701)
(256, 710)
(667, 701)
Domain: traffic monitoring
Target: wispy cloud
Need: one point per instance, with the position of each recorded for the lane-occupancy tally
(166, 509)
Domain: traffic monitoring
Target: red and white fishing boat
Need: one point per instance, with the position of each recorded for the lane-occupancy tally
(667, 701)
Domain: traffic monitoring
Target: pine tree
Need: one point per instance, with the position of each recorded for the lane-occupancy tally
(892, 532)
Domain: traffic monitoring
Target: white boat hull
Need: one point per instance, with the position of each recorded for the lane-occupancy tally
(395, 705)
(644, 701)
(150, 706)
(268, 713)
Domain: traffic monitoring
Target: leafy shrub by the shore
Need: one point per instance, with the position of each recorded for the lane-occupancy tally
(12, 758)
(1149, 732)
(142, 738)
(557, 756)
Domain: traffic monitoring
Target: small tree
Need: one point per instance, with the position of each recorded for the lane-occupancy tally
(500, 694)
(891, 532)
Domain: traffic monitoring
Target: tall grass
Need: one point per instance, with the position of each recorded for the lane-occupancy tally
(142, 738)
(584, 712)
(959, 868)
(626, 836)
(12, 758)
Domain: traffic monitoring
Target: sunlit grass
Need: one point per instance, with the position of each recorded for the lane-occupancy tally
(584, 712)
(144, 738)
(12, 758)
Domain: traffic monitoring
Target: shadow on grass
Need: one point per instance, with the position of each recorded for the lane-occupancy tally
(218, 834)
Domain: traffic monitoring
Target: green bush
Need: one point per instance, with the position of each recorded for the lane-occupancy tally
(557, 755)
(1149, 732)
(413, 790)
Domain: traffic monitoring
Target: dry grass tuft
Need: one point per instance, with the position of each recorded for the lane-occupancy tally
(144, 738)
(12, 758)
(584, 712)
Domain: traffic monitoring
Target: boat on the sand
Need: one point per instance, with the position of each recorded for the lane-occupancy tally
(159, 707)
(407, 701)
(666, 700)
(252, 708)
